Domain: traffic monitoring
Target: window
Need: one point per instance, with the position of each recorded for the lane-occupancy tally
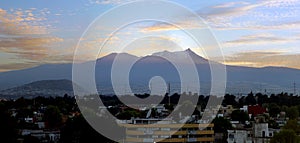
(165, 129)
(165, 136)
(270, 135)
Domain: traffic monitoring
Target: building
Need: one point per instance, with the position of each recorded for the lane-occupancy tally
(239, 136)
(155, 130)
(43, 135)
(256, 109)
(227, 110)
(260, 133)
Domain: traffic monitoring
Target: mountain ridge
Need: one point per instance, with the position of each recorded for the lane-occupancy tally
(41, 88)
(277, 78)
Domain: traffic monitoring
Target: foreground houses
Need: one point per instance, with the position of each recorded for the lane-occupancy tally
(59, 120)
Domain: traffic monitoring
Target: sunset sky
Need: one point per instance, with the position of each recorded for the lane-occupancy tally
(251, 33)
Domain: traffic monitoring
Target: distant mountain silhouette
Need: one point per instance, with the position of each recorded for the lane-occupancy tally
(239, 79)
(41, 88)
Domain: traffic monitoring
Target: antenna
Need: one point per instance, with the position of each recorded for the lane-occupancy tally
(265, 91)
(261, 89)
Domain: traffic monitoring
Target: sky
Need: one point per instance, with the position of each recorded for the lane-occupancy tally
(250, 33)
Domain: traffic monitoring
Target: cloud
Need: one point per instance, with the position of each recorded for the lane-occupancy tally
(21, 23)
(105, 2)
(228, 9)
(261, 15)
(30, 48)
(259, 39)
(16, 66)
(180, 25)
(263, 59)
(24, 35)
(158, 27)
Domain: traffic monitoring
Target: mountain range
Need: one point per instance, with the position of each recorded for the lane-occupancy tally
(240, 80)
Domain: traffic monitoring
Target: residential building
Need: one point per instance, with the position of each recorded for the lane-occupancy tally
(260, 133)
(157, 130)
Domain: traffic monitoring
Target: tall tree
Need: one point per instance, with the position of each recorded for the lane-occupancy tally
(230, 100)
(250, 99)
(292, 112)
(8, 133)
(53, 116)
(221, 125)
(238, 115)
(285, 136)
(292, 125)
(273, 109)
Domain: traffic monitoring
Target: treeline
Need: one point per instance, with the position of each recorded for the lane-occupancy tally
(56, 111)
(259, 98)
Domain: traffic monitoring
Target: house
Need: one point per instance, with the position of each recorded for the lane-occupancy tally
(260, 133)
(255, 110)
(239, 136)
(42, 135)
(227, 110)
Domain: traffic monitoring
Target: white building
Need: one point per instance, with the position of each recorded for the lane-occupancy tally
(239, 136)
(260, 133)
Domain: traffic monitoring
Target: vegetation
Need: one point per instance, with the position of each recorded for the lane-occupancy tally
(288, 134)
(60, 113)
(238, 115)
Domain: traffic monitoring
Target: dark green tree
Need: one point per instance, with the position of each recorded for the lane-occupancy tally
(221, 125)
(31, 139)
(78, 130)
(53, 116)
(292, 125)
(274, 109)
(230, 100)
(250, 99)
(285, 136)
(8, 132)
(292, 112)
(238, 115)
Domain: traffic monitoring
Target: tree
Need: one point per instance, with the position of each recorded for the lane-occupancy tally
(221, 125)
(238, 115)
(242, 101)
(285, 136)
(288, 134)
(273, 124)
(129, 113)
(230, 100)
(292, 125)
(292, 112)
(274, 109)
(31, 139)
(78, 130)
(53, 116)
(261, 99)
(8, 132)
(250, 99)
